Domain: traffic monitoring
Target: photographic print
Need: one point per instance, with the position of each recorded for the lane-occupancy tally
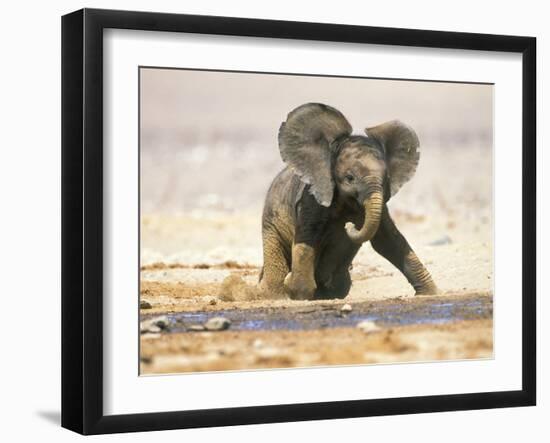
(295, 221)
(249, 204)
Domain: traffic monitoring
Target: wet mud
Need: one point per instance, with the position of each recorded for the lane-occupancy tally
(422, 310)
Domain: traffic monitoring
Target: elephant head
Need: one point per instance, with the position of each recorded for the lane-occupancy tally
(316, 142)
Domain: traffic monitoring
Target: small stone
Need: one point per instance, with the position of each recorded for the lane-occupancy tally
(211, 300)
(368, 326)
(197, 328)
(161, 322)
(217, 324)
(257, 343)
(144, 304)
(147, 327)
(346, 309)
(444, 240)
(153, 325)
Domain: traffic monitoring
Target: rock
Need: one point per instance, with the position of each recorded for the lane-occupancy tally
(144, 304)
(161, 322)
(196, 328)
(148, 327)
(368, 326)
(445, 240)
(217, 324)
(257, 343)
(155, 324)
(346, 309)
(211, 300)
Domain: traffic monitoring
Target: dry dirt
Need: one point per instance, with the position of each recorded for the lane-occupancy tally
(229, 350)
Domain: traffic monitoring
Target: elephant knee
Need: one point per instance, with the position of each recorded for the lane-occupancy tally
(299, 288)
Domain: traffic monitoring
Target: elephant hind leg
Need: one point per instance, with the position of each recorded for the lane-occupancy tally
(276, 267)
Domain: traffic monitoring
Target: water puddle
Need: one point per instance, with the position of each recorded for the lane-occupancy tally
(329, 316)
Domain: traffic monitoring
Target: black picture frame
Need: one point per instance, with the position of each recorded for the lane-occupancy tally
(82, 220)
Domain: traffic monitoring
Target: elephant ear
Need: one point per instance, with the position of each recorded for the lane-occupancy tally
(402, 150)
(307, 144)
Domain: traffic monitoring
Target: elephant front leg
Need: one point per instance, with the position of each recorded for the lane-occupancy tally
(391, 244)
(300, 282)
(418, 276)
(311, 220)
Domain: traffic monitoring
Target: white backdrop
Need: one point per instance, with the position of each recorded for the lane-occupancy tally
(30, 238)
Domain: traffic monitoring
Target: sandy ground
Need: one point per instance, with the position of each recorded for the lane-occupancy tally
(227, 350)
(209, 259)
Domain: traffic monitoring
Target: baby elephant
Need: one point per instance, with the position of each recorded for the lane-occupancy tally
(330, 199)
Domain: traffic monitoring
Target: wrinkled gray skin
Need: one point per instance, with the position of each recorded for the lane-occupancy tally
(330, 199)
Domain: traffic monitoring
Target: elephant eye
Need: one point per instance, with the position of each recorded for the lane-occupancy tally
(349, 178)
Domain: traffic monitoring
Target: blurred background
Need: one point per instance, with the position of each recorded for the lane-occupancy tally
(209, 152)
(209, 139)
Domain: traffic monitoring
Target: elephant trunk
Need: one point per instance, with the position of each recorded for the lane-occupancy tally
(372, 205)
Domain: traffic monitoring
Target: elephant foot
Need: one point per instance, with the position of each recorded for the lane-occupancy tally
(431, 289)
(329, 294)
(271, 292)
(299, 288)
(336, 287)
